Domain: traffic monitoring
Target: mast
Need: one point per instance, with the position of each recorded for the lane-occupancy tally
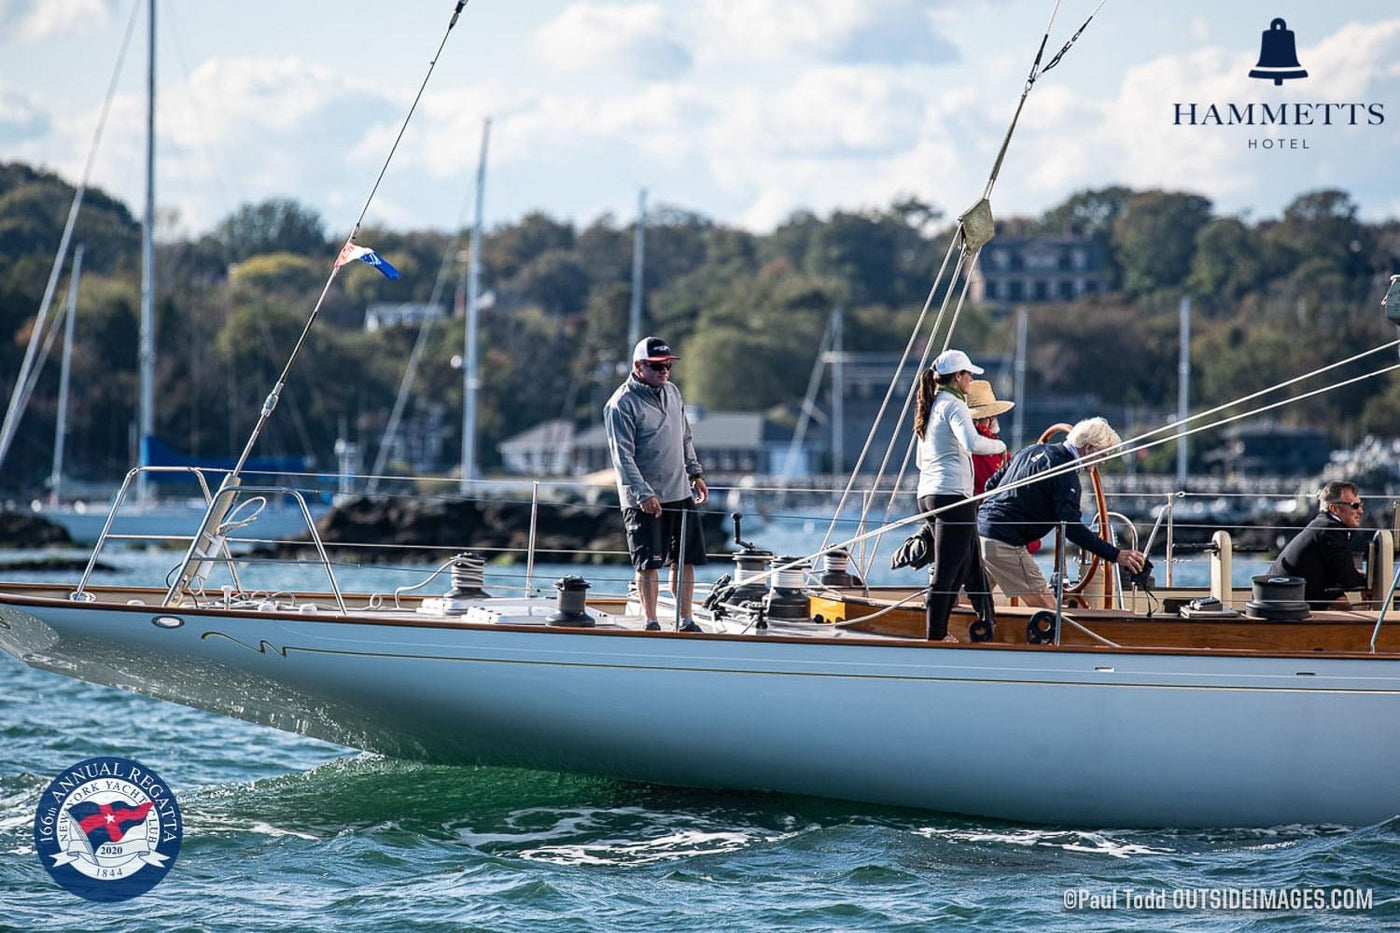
(838, 393)
(61, 430)
(147, 343)
(1183, 389)
(1018, 391)
(470, 381)
(639, 248)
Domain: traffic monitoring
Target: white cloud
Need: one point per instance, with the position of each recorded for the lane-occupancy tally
(774, 114)
(19, 118)
(888, 31)
(1127, 136)
(824, 112)
(31, 20)
(239, 130)
(1356, 61)
(782, 152)
(631, 39)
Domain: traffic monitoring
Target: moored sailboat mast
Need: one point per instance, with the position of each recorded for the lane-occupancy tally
(61, 429)
(147, 339)
(470, 379)
(639, 245)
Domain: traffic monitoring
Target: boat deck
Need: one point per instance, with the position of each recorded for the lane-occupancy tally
(876, 617)
(605, 613)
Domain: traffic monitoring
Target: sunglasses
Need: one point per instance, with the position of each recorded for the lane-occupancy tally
(659, 367)
(1353, 505)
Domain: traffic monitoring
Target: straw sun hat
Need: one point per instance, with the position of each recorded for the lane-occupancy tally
(982, 401)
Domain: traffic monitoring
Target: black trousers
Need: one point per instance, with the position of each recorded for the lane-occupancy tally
(957, 563)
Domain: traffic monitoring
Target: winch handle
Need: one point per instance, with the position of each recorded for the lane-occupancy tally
(738, 535)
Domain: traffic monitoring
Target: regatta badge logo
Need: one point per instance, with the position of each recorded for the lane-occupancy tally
(108, 829)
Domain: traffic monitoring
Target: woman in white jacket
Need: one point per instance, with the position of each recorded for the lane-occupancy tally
(947, 441)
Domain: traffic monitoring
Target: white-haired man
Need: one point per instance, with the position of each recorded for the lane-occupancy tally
(1009, 520)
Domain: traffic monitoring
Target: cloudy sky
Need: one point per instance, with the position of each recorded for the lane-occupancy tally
(742, 110)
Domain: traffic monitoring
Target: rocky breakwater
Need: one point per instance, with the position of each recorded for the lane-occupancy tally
(26, 530)
(365, 528)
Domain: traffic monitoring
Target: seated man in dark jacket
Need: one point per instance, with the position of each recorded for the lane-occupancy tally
(1010, 520)
(1321, 554)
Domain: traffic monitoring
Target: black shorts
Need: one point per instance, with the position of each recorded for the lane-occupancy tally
(656, 542)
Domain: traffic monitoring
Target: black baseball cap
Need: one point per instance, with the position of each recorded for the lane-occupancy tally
(652, 350)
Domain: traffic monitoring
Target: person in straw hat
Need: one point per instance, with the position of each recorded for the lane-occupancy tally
(984, 406)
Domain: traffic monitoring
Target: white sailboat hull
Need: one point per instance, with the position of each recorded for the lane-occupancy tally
(159, 520)
(1092, 737)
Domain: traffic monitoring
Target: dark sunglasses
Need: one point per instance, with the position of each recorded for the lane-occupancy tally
(659, 367)
(1353, 505)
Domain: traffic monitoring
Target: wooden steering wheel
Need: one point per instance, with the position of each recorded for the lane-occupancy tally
(1076, 593)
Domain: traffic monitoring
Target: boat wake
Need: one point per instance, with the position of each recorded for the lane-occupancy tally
(1093, 843)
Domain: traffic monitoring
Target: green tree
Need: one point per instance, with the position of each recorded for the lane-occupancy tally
(276, 225)
(1154, 238)
(755, 348)
(607, 321)
(508, 249)
(278, 274)
(1140, 368)
(1322, 225)
(676, 244)
(606, 252)
(1230, 261)
(555, 280)
(1089, 212)
(1382, 412)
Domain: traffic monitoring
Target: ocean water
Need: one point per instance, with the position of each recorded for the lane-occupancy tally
(284, 832)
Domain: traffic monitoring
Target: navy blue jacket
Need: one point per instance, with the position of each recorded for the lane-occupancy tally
(1020, 516)
(1321, 554)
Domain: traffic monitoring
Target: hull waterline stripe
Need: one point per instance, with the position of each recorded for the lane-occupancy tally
(265, 647)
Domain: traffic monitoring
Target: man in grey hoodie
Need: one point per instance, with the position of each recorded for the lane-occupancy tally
(658, 477)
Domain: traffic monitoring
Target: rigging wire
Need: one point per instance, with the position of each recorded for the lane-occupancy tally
(1133, 446)
(909, 450)
(1034, 75)
(1130, 446)
(270, 404)
(1262, 392)
(19, 397)
(889, 392)
(968, 254)
(403, 128)
(206, 540)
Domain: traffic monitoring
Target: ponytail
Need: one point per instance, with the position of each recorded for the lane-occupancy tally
(923, 404)
(929, 384)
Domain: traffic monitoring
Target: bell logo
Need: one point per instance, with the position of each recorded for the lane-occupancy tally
(1278, 55)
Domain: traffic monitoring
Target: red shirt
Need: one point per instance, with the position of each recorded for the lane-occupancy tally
(984, 465)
